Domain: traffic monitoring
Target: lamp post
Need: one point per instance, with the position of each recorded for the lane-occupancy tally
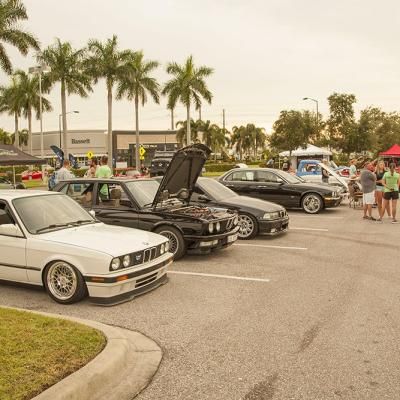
(316, 103)
(38, 70)
(59, 123)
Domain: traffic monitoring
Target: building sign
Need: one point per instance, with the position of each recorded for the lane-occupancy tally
(80, 141)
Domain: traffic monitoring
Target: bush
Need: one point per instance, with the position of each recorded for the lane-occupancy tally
(218, 167)
(79, 173)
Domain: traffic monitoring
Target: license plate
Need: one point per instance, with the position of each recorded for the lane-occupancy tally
(232, 238)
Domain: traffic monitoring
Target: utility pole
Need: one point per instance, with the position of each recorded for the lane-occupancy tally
(223, 119)
(172, 119)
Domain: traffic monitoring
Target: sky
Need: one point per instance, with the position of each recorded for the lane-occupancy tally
(267, 55)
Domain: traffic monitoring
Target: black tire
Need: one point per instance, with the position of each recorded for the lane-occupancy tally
(176, 242)
(69, 276)
(312, 203)
(248, 226)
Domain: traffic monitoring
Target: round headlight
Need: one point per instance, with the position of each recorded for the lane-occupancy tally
(217, 226)
(211, 227)
(166, 244)
(162, 249)
(126, 261)
(115, 263)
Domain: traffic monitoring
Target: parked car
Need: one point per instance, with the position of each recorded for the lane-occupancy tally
(281, 187)
(160, 162)
(256, 216)
(160, 207)
(6, 184)
(31, 175)
(66, 250)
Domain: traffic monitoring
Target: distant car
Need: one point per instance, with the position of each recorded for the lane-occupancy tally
(281, 187)
(72, 254)
(256, 216)
(161, 207)
(31, 175)
(160, 162)
(6, 184)
(240, 165)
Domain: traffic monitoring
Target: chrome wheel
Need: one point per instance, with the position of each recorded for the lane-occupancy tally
(312, 203)
(173, 241)
(62, 281)
(246, 226)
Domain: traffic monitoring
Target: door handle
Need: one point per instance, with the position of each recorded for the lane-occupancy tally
(261, 187)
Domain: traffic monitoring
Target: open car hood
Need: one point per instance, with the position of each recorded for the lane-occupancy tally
(182, 172)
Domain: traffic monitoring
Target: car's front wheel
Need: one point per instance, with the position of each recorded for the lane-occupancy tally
(312, 203)
(64, 283)
(248, 227)
(176, 242)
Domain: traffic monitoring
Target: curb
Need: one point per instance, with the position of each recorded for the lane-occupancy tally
(121, 371)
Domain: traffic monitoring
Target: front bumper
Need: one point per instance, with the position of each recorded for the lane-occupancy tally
(332, 201)
(273, 227)
(123, 286)
(205, 244)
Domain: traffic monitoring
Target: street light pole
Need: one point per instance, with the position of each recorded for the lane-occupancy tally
(316, 103)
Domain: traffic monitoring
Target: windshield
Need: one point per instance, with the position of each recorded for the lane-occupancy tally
(215, 189)
(290, 178)
(143, 192)
(41, 214)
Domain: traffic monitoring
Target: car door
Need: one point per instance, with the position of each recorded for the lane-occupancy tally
(269, 186)
(12, 249)
(242, 182)
(113, 206)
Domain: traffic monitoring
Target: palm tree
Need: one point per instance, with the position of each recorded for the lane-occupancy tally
(238, 139)
(106, 61)
(11, 13)
(23, 138)
(67, 68)
(5, 137)
(187, 85)
(218, 140)
(30, 100)
(181, 132)
(135, 84)
(10, 103)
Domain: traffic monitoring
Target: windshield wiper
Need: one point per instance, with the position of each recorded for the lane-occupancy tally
(52, 226)
(83, 221)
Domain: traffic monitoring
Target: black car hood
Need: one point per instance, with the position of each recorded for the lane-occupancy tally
(251, 202)
(183, 171)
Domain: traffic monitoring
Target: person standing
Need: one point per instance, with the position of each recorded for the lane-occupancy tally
(368, 184)
(91, 172)
(104, 171)
(286, 165)
(353, 169)
(324, 172)
(379, 173)
(391, 181)
(64, 173)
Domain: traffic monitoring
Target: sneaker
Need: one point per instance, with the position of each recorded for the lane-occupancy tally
(372, 218)
(394, 221)
(379, 220)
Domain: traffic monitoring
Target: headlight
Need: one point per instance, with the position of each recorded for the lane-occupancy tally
(162, 248)
(217, 226)
(267, 216)
(211, 227)
(115, 263)
(126, 261)
(166, 244)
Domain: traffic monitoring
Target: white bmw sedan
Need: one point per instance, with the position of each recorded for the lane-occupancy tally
(47, 239)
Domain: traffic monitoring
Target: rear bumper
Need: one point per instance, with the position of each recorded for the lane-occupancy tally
(206, 244)
(274, 227)
(125, 286)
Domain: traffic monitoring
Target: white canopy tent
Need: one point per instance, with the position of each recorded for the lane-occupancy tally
(310, 150)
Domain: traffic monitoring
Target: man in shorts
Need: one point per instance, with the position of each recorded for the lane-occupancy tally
(391, 181)
(368, 184)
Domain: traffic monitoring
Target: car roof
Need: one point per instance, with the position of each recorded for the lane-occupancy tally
(10, 194)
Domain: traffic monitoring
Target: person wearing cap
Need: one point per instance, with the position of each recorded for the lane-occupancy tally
(286, 165)
(391, 182)
(368, 184)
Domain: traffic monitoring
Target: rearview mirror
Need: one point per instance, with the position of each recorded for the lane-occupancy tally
(10, 230)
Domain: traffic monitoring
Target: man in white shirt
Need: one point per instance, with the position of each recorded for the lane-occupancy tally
(64, 172)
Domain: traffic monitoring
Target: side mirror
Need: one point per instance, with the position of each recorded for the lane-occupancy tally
(205, 198)
(10, 230)
(92, 213)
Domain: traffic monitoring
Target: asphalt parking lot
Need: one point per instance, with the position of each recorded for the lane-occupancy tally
(312, 314)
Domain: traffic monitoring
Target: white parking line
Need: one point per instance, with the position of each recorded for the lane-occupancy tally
(268, 246)
(314, 216)
(308, 229)
(239, 278)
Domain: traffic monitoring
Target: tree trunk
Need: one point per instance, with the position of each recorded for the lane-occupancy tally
(64, 120)
(30, 130)
(16, 133)
(137, 133)
(109, 146)
(188, 133)
(172, 120)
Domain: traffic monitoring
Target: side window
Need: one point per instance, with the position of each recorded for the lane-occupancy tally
(242, 176)
(81, 192)
(266, 176)
(5, 216)
(112, 195)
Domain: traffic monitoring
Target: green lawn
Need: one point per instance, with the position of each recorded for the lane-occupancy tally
(34, 184)
(37, 352)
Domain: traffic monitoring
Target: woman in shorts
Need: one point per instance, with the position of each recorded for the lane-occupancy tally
(379, 173)
(391, 181)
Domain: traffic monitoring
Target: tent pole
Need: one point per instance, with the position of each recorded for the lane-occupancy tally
(14, 174)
